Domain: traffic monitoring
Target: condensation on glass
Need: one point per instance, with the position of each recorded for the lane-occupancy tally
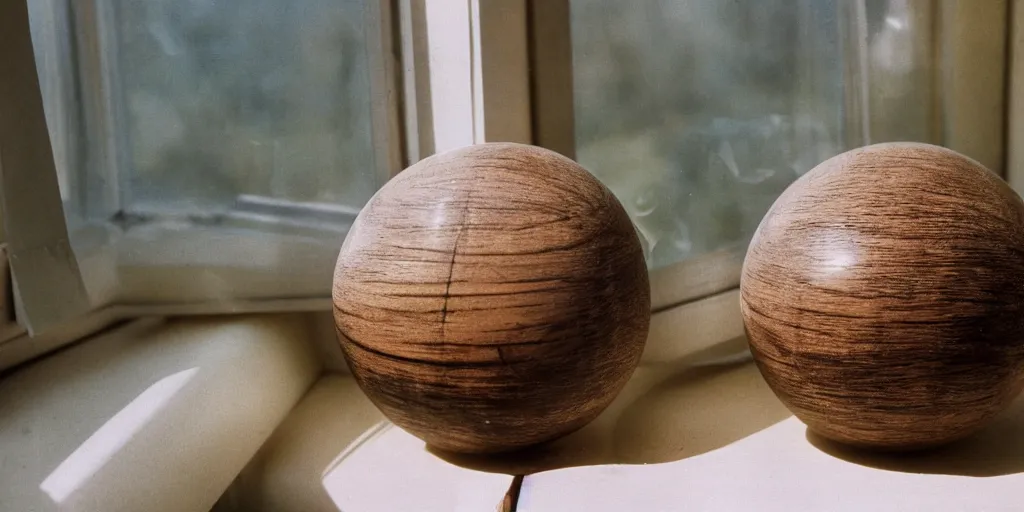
(698, 114)
(207, 103)
(270, 99)
(225, 146)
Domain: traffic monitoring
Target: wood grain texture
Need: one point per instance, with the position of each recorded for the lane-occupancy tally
(492, 297)
(883, 296)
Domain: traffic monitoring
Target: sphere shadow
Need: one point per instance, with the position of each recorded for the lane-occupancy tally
(996, 450)
(666, 413)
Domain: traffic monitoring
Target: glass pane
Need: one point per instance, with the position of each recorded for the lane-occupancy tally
(901, 70)
(699, 113)
(50, 41)
(270, 98)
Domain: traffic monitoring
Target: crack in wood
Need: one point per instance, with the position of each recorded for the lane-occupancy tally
(451, 267)
(510, 501)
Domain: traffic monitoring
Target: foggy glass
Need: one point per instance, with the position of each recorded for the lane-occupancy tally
(698, 114)
(268, 98)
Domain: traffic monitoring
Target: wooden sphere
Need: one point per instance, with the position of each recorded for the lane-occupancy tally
(492, 297)
(883, 296)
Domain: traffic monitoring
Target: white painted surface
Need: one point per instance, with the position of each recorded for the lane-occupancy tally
(336, 452)
(479, 71)
(154, 417)
(749, 465)
(449, 47)
(392, 470)
(684, 330)
(501, 71)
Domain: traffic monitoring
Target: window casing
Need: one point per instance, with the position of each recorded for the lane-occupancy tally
(137, 89)
(441, 75)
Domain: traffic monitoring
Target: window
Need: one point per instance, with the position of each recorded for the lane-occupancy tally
(698, 114)
(222, 106)
(230, 150)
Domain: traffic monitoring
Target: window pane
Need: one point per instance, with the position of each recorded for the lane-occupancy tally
(699, 113)
(898, 55)
(49, 24)
(270, 98)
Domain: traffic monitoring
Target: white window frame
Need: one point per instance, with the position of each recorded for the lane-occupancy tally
(466, 66)
(458, 72)
(47, 286)
(228, 269)
(115, 273)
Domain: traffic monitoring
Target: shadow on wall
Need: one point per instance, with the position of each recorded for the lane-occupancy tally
(665, 413)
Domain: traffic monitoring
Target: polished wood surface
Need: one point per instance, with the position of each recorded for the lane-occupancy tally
(492, 297)
(883, 296)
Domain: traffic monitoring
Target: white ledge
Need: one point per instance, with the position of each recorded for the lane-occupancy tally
(152, 416)
(717, 439)
(336, 452)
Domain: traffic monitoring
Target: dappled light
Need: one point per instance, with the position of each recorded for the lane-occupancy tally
(104, 444)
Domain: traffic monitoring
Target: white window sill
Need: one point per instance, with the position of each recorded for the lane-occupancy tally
(336, 452)
(683, 435)
(194, 414)
(716, 438)
(152, 416)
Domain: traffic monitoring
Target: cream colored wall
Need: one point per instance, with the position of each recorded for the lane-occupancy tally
(153, 416)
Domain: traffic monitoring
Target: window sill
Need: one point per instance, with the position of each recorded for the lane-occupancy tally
(150, 416)
(685, 435)
(716, 438)
(231, 382)
(336, 452)
(222, 264)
